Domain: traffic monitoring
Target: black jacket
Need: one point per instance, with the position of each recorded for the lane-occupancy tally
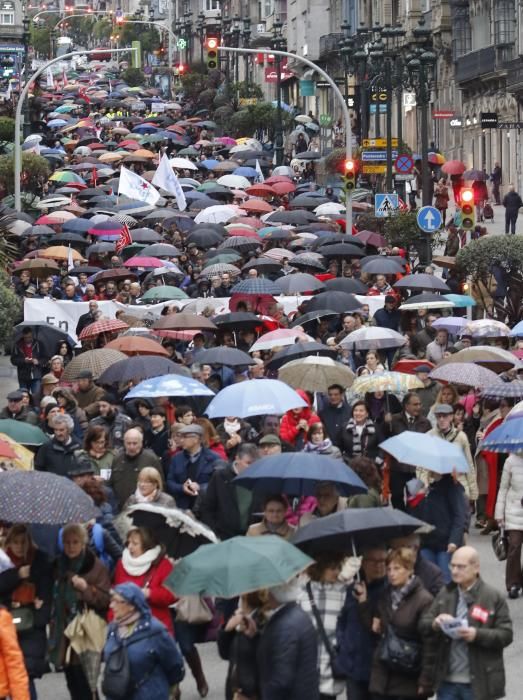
(240, 651)
(288, 656)
(25, 415)
(334, 418)
(83, 321)
(157, 442)
(512, 202)
(430, 575)
(56, 458)
(388, 319)
(27, 371)
(444, 507)
(369, 441)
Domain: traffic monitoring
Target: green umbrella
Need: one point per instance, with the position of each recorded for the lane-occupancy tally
(236, 566)
(226, 258)
(23, 433)
(133, 249)
(164, 292)
(189, 151)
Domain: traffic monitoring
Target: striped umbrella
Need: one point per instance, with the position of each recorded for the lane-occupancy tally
(104, 325)
(395, 382)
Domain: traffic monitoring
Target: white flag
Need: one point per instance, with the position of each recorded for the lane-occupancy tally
(50, 79)
(165, 178)
(258, 169)
(135, 187)
(70, 261)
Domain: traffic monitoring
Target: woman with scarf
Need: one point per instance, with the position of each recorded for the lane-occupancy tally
(149, 489)
(398, 610)
(144, 563)
(232, 432)
(26, 588)
(81, 582)
(296, 422)
(319, 443)
(360, 438)
(155, 662)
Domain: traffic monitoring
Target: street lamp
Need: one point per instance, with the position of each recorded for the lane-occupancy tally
(201, 28)
(246, 39)
(236, 33)
(278, 44)
(26, 37)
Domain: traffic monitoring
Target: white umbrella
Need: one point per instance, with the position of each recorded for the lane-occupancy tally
(303, 119)
(33, 137)
(315, 374)
(18, 227)
(373, 337)
(183, 163)
(82, 151)
(274, 339)
(53, 202)
(218, 214)
(283, 170)
(329, 208)
(172, 105)
(237, 182)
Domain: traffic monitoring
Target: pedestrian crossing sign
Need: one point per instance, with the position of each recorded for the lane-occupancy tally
(385, 204)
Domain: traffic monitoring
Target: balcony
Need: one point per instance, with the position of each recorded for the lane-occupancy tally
(330, 44)
(515, 76)
(484, 63)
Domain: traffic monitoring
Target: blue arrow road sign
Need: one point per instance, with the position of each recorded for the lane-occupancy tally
(429, 219)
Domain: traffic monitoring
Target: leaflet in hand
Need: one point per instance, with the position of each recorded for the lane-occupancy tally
(452, 627)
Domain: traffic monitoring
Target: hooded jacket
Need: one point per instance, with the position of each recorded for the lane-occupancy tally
(289, 430)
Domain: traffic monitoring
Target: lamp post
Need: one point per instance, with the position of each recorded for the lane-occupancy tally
(279, 44)
(200, 28)
(246, 40)
(26, 37)
(236, 33)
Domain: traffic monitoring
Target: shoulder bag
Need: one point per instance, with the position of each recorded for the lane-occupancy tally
(337, 671)
(500, 544)
(193, 609)
(399, 654)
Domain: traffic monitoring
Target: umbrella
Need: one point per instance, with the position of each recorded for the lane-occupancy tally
(169, 385)
(355, 529)
(427, 451)
(452, 324)
(426, 300)
(486, 328)
(139, 367)
(465, 373)
(382, 266)
(372, 238)
(43, 498)
(496, 359)
(500, 390)
(104, 325)
(298, 283)
(280, 338)
(38, 267)
(254, 398)
(453, 167)
(223, 355)
(294, 351)
(395, 382)
(337, 301)
(206, 238)
(46, 334)
(373, 337)
(23, 457)
(87, 633)
(178, 531)
(315, 374)
(436, 158)
(517, 330)
(184, 321)
(308, 155)
(23, 433)
(474, 174)
(163, 293)
(298, 474)
(238, 321)
(347, 285)
(507, 437)
(258, 285)
(95, 360)
(341, 250)
(422, 281)
(134, 345)
(237, 566)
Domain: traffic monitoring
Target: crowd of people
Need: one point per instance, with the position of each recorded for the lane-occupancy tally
(408, 617)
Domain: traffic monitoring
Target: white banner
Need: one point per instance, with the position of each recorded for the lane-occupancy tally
(65, 314)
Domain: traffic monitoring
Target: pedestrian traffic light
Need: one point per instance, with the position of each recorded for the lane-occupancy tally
(211, 45)
(468, 213)
(349, 177)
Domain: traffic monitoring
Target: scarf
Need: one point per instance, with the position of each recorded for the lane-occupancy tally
(321, 447)
(25, 592)
(127, 623)
(398, 594)
(137, 566)
(140, 498)
(231, 427)
(65, 605)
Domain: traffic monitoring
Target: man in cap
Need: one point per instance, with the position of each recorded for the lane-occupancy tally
(112, 419)
(269, 445)
(15, 409)
(49, 383)
(88, 394)
(270, 425)
(430, 388)
(190, 469)
(128, 463)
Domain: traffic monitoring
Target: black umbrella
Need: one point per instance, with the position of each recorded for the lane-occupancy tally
(47, 335)
(312, 316)
(279, 234)
(202, 203)
(430, 283)
(303, 200)
(381, 266)
(225, 356)
(306, 260)
(297, 350)
(337, 301)
(140, 367)
(299, 282)
(43, 498)
(341, 250)
(100, 248)
(160, 250)
(73, 238)
(204, 238)
(308, 155)
(237, 321)
(264, 265)
(87, 270)
(354, 529)
(334, 238)
(298, 216)
(347, 285)
(146, 235)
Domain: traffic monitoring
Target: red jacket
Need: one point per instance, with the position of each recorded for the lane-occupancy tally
(289, 423)
(159, 597)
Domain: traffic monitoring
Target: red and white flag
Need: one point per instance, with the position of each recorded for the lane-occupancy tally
(124, 239)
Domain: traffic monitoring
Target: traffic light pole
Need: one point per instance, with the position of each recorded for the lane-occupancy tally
(18, 114)
(337, 93)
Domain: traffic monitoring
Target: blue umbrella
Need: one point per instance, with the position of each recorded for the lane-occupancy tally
(517, 331)
(77, 225)
(169, 385)
(255, 397)
(452, 324)
(257, 285)
(145, 129)
(55, 123)
(460, 301)
(208, 164)
(298, 474)
(507, 437)
(427, 451)
(245, 171)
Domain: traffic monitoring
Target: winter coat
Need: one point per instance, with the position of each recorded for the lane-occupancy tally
(240, 651)
(509, 506)
(160, 598)
(334, 418)
(115, 426)
(288, 656)
(13, 676)
(489, 615)
(57, 458)
(155, 660)
(181, 469)
(428, 396)
(371, 499)
(125, 470)
(430, 575)
(88, 400)
(364, 445)
(157, 442)
(512, 202)
(387, 319)
(406, 621)
(24, 416)
(33, 642)
(246, 432)
(27, 371)
(289, 430)
(444, 507)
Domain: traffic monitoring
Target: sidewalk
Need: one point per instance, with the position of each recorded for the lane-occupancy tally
(8, 380)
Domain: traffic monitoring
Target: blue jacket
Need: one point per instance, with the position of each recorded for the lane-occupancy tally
(181, 469)
(388, 319)
(354, 639)
(154, 658)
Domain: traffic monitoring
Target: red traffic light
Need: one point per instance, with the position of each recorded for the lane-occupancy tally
(212, 43)
(181, 68)
(467, 195)
(348, 165)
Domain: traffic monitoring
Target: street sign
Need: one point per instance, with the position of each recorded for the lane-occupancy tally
(376, 155)
(385, 204)
(404, 164)
(383, 108)
(378, 143)
(510, 125)
(400, 177)
(489, 120)
(456, 123)
(181, 43)
(429, 219)
(325, 120)
(373, 169)
(443, 114)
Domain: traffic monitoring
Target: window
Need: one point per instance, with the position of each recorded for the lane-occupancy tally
(7, 12)
(211, 5)
(505, 22)
(461, 35)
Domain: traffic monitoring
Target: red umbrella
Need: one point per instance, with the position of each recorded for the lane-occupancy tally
(135, 345)
(282, 188)
(261, 191)
(453, 167)
(408, 366)
(277, 178)
(249, 221)
(257, 206)
(371, 238)
(144, 261)
(104, 325)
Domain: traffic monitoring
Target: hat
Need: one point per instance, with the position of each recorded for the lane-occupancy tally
(85, 374)
(108, 397)
(270, 439)
(390, 299)
(47, 401)
(31, 289)
(133, 595)
(81, 466)
(193, 429)
(442, 409)
(15, 395)
(422, 368)
(50, 379)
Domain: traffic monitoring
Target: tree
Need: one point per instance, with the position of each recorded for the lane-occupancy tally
(489, 262)
(10, 304)
(35, 172)
(7, 129)
(132, 76)
(40, 40)
(258, 116)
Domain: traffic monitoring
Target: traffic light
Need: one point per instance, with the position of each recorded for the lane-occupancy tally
(349, 177)
(181, 68)
(468, 212)
(211, 45)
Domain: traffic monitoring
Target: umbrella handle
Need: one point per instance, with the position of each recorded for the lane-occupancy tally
(385, 488)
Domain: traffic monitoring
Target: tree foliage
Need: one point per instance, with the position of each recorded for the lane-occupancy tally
(259, 116)
(132, 76)
(7, 129)
(35, 172)
(40, 39)
(10, 304)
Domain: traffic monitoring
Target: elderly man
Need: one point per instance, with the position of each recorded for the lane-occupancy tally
(128, 463)
(15, 409)
(134, 292)
(88, 394)
(58, 455)
(28, 356)
(469, 626)
(87, 318)
(112, 419)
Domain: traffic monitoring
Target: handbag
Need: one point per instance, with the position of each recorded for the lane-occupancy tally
(338, 673)
(23, 617)
(194, 610)
(117, 682)
(500, 544)
(399, 654)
